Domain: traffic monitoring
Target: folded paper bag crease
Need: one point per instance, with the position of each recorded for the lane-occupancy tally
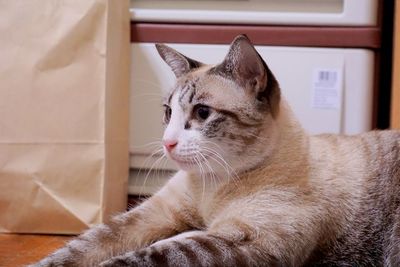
(43, 189)
(76, 40)
(64, 108)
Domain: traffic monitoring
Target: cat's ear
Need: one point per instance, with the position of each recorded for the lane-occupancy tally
(245, 66)
(179, 63)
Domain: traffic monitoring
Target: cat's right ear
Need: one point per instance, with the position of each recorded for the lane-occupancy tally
(178, 63)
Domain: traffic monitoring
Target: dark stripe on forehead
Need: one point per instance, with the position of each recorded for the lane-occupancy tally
(169, 99)
(192, 94)
(184, 91)
(189, 86)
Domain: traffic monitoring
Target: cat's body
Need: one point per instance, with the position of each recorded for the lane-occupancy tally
(284, 199)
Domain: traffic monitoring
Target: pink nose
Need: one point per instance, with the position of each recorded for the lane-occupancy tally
(170, 144)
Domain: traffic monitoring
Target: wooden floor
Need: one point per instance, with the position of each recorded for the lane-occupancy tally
(20, 250)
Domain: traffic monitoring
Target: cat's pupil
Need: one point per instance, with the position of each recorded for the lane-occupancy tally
(203, 112)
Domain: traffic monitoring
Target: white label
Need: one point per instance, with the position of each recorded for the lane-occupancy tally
(327, 87)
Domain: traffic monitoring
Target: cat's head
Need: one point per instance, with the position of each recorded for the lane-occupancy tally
(220, 118)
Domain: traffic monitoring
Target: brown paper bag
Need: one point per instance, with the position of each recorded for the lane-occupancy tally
(64, 68)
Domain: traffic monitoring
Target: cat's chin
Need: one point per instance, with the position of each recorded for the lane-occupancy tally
(193, 166)
(185, 164)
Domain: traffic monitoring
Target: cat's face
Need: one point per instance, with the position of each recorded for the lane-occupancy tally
(220, 119)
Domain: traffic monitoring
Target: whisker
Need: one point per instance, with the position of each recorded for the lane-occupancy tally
(150, 169)
(213, 143)
(213, 176)
(148, 158)
(201, 175)
(219, 159)
(163, 168)
(155, 143)
(214, 155)
(226, 169)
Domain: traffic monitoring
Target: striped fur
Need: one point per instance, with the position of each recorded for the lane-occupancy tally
(192, 250)
(254, 189)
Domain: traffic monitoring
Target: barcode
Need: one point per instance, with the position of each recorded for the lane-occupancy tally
(327, 88)
(325, 76)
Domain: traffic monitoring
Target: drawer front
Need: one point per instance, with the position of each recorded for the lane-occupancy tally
(272, 12)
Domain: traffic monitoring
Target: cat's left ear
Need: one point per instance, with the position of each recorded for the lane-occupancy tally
(245, 66)
(179, 63)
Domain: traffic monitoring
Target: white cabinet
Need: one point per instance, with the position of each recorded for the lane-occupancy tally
(272, 12)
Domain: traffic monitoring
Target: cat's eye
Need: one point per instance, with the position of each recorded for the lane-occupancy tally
(167, 113)
(202, 112)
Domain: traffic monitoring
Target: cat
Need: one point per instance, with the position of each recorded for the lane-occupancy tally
(254, 188)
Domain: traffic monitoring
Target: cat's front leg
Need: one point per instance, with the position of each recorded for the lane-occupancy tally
(156, 254)
(163, 215)
(197, 248)
(231, 241)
